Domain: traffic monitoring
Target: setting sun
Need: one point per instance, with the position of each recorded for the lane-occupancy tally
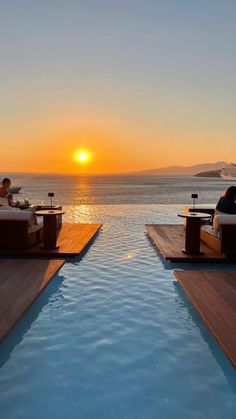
(82, 156)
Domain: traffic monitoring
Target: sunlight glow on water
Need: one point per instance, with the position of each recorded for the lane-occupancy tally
(113, 335)
(118, 190)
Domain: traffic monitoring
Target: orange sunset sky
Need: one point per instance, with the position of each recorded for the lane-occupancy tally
(139, 85)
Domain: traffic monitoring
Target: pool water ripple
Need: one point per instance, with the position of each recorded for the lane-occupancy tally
(113, 336)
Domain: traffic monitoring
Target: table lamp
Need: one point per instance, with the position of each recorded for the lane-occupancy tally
(194, 196)
(51, 195)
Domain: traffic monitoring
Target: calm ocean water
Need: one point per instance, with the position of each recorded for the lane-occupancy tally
(113, 336)
(118, 190)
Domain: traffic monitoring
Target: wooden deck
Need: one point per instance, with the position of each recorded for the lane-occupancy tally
(213, 294)
(72, 238)
(21, 282)
(169, 240)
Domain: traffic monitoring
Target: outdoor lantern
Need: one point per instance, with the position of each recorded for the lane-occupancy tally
(51, 195)
(194, 196)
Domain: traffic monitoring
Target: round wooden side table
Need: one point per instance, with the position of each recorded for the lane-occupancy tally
(50, 228)
(193, 229)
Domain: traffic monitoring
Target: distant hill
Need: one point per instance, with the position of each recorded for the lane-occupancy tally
(183, 170)
(211, 173)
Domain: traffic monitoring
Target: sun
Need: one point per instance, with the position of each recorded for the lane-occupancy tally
(82, 156)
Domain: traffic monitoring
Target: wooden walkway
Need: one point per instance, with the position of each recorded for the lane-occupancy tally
(72, 238)
(170, 239)
(213, 294)
(21, 282)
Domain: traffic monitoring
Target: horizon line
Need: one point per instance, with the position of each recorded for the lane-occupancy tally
(136, 172)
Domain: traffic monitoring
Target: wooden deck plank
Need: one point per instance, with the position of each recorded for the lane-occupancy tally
(169, 240)
(72, 238)
(21, 282)
(213, 294)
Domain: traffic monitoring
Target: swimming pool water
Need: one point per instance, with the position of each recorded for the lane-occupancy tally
(113, 335)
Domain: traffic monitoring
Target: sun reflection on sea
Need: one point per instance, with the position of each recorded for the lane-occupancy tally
(80, 213)
(127, 257)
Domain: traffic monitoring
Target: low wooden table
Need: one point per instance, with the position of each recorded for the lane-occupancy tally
(206, 210)
(50, 228)
(55, 208)
(193, 228)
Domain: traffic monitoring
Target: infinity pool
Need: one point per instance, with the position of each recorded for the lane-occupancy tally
(113, 335)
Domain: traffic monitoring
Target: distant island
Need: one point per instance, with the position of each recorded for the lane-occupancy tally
(209, 169)
(210, 173)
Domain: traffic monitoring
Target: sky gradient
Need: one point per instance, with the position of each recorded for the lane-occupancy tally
(139, 83)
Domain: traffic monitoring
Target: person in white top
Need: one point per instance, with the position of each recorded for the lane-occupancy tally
(5, 197)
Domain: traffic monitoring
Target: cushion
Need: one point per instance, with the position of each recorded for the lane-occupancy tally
(35, 227)
(3, 201)
(223, 219)
(4, 206)
(17, 214)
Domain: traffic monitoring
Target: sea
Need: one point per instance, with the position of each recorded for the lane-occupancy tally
(113, 336)
(117, 189)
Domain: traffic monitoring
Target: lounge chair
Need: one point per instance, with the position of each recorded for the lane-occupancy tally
(19, 229)
(222, 235)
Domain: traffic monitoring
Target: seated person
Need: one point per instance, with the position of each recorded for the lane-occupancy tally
(5, 197)
(226, 203)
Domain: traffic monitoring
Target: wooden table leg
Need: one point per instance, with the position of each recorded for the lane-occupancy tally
(192, 236)
(50, 232)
